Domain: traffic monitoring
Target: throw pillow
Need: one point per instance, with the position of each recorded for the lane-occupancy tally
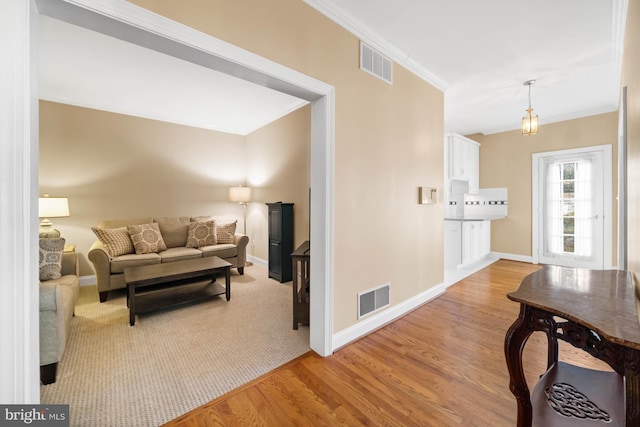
(201, 234)
(146, 238)
(116, 240)
(225, 232)
(51, 258)
(174, 235)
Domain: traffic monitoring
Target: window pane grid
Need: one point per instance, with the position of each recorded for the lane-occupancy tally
(567, 200)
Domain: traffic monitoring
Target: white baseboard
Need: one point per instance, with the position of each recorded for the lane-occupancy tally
(258, 261)
(454, 276)
(513, 257)
(87, 280)
(376, 321)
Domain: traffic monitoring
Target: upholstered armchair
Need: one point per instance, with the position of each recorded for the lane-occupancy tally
(58, 299)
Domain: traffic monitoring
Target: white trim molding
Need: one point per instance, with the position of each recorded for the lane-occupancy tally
(19, 312)
(536, 217)
(513, 257)
(331, 10)
(370, 324)
(258, 261)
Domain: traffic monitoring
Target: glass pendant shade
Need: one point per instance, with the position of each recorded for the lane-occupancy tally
(530, 123)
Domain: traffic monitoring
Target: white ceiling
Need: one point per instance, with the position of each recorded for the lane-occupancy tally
(478, 52)
(481, 53)
(89, 69)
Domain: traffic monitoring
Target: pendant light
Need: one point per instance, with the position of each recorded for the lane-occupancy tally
(529, 121)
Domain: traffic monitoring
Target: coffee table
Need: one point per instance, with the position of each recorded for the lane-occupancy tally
(152, 287)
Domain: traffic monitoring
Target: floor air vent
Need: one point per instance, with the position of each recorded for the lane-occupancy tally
(372, 300)
(375, 63)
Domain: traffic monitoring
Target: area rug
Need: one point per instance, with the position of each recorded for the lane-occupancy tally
(173, 360)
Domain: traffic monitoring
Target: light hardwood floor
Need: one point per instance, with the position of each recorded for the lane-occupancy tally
(441, 365)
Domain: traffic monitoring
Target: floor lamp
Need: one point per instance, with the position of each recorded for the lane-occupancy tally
(242, 196)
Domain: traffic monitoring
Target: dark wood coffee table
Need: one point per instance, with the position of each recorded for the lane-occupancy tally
(152, 287)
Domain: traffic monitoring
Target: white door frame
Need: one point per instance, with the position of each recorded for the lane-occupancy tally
(19, 369)
(622, 181)
(536, 217)
(19, 305)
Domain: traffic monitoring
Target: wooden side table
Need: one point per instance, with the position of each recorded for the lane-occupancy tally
(69, 248)
(301, 258)
(593, 310)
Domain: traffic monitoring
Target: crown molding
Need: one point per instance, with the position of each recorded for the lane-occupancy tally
(619, 14)
(364, 33)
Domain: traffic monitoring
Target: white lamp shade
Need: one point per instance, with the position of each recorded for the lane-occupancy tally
(240, 194)
(53, 207)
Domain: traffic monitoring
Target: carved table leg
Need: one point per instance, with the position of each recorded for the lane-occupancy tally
(514, 343)
(632, 387)
(552, 349)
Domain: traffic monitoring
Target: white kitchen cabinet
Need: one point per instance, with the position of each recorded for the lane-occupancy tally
(465, 242)
(476, 241)
(452, 244)
(463, 160)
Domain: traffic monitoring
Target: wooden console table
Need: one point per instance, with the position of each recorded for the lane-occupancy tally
(594, 311)
(301, 258)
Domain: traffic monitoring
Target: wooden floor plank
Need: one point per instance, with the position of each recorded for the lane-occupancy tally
(440, 365)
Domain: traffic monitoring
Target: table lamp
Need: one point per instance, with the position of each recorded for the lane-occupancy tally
(51, 207)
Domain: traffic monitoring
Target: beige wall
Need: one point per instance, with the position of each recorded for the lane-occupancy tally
(631, 79)
(117, 166)
(505, 161)
(278, 168)
(388, 142)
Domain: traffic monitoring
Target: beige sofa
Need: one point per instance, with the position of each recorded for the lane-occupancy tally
(58, 299)
(174, 230)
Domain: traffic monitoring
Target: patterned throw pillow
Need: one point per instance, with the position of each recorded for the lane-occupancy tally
(146, 238)
(51, 258)
(201, 234)
(116, 240)
(225, 232)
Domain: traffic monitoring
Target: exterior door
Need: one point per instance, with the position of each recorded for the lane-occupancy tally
(571, 208)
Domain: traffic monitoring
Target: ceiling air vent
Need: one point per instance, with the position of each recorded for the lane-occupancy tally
(375, 63)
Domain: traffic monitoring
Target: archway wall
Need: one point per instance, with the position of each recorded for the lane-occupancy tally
(388, 142)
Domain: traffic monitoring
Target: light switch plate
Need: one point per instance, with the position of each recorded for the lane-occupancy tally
(427, 195)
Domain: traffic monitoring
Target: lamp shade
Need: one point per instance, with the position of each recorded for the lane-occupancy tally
(53, 207)
(240, 194)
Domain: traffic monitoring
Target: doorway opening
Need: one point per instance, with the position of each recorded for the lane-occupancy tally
(572, 207)
(132, 22)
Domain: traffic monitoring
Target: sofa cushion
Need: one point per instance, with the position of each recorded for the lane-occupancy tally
(118, 264)
(115, 240)
(224, 250)
(178, 254)
(51, 258)
(68, 280)
(225, 233)
(174, 235)
(176, 220)
(202, 218)
(146, 238)
(117, 223)
(201, 234)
